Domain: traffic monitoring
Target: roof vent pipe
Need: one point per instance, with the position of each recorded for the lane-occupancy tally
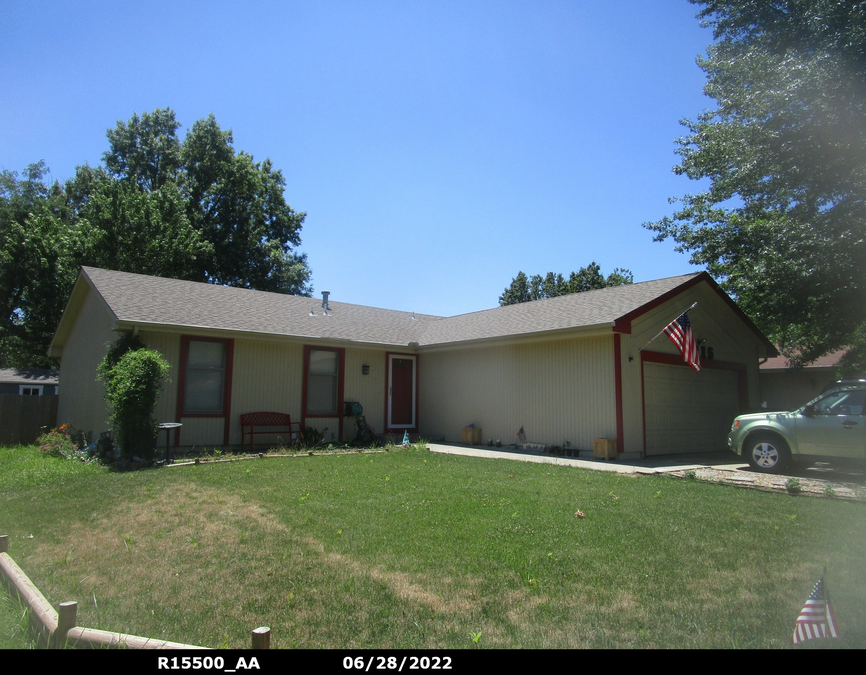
(325, 295)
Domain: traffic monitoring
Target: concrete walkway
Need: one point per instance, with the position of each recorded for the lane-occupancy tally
(719, 460)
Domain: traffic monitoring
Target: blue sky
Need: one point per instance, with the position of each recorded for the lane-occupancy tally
(437, 147)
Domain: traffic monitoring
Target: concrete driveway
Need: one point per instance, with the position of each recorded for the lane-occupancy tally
(724, 460)
(722, 467)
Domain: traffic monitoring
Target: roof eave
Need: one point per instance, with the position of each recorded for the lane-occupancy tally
(604, 328)
(131, 325)
(623, 323)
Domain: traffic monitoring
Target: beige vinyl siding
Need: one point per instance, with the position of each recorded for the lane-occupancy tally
(266, 377)
(168, 345)
(558, 390)
(200, 432)
(81, 402)
(368, 390)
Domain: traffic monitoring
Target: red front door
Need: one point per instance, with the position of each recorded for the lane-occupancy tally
(401, 392)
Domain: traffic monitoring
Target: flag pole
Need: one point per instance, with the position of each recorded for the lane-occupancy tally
(666, 325)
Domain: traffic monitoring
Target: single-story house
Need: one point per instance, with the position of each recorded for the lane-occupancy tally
(28, 381)
(568, 370)
(786, 388)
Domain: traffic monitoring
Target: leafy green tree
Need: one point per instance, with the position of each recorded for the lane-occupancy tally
(146, 149)
(35, 257)
(781, 221)
(552, 284)
(128, 228)
(235, 204)
(193, 210)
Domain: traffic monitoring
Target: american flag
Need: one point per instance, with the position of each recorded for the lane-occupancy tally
(680, 332)
(816, 619)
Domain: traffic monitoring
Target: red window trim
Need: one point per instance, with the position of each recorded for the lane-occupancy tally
(341, 376)
(227, 384)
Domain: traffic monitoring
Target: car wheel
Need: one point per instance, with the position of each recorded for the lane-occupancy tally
(767, 453)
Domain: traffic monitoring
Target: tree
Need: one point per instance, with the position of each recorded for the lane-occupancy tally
(781, 224)
(235, 204)
(552, 285)
(34, 257)
(146, 149)
(125, 227)
(194, 210)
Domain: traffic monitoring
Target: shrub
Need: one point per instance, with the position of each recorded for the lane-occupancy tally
(133, 376)
(793, 486)
(58, 442)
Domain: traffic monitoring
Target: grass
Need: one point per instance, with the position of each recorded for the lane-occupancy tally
(13, 623)
(409, 549)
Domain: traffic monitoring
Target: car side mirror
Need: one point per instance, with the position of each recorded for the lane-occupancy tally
(809, 411)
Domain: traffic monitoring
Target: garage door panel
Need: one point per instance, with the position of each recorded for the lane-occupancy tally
(687, 411)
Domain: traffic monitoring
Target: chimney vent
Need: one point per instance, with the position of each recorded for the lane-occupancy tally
(325, 295)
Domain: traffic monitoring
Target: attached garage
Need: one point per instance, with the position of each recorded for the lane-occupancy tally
(685, 411)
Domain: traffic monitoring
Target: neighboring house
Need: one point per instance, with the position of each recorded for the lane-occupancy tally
(572, 368)
(28, 402)
(785, 388)
(28, 381)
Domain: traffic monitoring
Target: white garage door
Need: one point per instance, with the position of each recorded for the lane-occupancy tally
(688, 411)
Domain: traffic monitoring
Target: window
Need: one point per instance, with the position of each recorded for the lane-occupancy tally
(844, 402)
(30, 389)
(205, 377)
(323, 377)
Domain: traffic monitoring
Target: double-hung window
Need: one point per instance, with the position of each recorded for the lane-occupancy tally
(205, 377)
(323, 381)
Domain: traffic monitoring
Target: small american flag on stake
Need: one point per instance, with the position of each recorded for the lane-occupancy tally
(680, 332)
(816, 619)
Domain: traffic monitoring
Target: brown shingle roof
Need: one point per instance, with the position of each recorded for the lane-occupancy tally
(782, 362)
(590, 308)
(139, 299)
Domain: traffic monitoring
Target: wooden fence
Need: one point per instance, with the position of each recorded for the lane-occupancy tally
(23, 417)
(57, 628)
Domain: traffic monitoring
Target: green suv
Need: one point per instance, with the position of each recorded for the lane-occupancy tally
(833, 426)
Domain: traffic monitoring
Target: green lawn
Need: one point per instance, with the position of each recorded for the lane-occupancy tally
(410, 549)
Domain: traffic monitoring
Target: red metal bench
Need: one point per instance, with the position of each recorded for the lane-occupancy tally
(259, 423)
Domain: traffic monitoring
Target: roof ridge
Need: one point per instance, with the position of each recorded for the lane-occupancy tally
(578, 293)
(207, 284)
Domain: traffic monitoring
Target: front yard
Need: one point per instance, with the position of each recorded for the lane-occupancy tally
(409, 549)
